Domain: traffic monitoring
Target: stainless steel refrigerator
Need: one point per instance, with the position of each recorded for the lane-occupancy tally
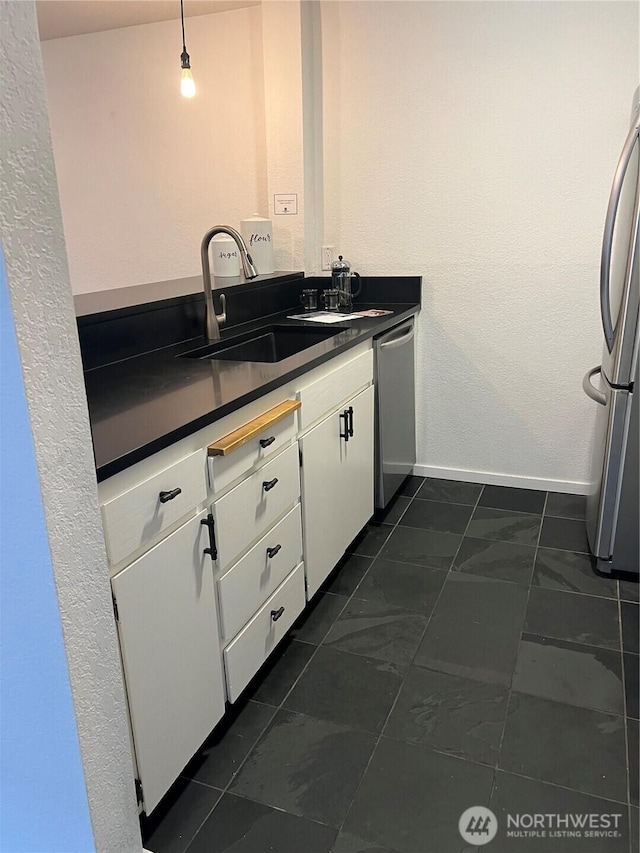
(613, 514)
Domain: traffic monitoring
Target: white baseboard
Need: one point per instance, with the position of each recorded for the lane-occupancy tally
(488, 478)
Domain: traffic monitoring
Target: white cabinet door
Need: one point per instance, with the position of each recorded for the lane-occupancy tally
(337, 485)
(168, 629)
(358, 468)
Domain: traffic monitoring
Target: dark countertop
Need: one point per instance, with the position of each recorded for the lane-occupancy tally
(142, 404)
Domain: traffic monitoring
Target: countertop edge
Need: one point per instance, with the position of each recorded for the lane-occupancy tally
(109, 469)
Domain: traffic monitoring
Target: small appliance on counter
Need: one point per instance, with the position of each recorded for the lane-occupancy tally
(342, 281)
(257, 233)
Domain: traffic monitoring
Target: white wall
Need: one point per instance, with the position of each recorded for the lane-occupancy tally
(284, 133)
(42, 307)
(142, 171)
(474, 143)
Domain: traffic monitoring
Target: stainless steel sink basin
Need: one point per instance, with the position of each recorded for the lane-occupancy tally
(272, 343)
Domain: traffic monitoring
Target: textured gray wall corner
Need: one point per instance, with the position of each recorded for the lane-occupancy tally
(42, 305)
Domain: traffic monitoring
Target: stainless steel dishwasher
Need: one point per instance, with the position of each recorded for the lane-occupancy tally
(395, 409)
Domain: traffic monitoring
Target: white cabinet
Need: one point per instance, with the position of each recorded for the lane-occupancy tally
(179, 663)
(168, 628)
(337, 484)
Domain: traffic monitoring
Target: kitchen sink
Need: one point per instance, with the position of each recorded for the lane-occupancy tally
(272, 343)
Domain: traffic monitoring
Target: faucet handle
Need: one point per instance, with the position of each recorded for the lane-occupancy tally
(222, 318)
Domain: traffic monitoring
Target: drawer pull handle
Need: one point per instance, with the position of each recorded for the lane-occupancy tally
(271, 552)
(276, 614)
(265, 442)
(269, 484)
(346, 432)
(169, 496)
(350, 421)
(212, 550)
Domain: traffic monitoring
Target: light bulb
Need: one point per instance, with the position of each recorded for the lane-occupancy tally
(187, 84)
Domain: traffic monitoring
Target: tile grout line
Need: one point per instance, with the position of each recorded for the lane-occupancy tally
(526, 607)
(475, 507)
(621, 803)
(550, 636)
(393, 704)
(624, 712)
(572, 705)
(495, 768)
(258, 803)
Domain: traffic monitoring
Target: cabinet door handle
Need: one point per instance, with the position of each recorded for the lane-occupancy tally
(271, 552)
(345, 434)
(269, 484)
(265, 442)
(350, 420)
(212, 550)
(276, 614)
(169, 496)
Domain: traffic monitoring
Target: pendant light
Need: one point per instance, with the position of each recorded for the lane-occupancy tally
(187, 84)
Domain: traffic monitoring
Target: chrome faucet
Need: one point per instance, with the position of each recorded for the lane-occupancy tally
(213, 321)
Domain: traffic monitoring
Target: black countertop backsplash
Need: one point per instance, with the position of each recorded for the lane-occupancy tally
(116, 333)
(142, 397)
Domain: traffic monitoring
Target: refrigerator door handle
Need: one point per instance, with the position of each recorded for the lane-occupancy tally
(590, 390)
(607, 240)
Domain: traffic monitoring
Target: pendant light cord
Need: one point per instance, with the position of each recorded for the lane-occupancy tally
(184, 46)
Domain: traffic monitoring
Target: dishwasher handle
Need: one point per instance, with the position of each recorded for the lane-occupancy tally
(398, 340)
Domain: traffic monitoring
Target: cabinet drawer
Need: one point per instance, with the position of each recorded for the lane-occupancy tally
(253, 645)
(138, 515)
(224, 469)
(325, 394)
(250, 509)
(251, 581)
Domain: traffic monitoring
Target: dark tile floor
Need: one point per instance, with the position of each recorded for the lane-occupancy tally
(464, 653)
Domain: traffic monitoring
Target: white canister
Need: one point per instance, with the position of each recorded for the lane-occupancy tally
(257, 233)
(226, 257)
